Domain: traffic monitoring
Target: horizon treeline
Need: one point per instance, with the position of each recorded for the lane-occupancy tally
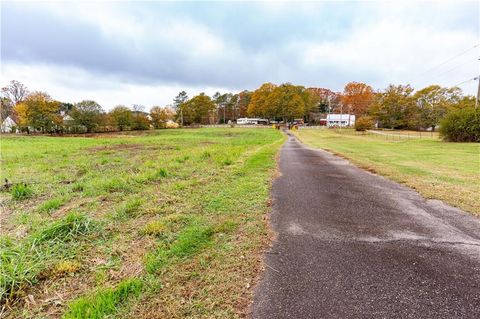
(395, 107)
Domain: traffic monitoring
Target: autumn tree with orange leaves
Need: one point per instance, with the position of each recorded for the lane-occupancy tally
(357, 98)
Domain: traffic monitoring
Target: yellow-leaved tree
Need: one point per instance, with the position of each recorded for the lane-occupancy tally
(259, 106)
(39, 111)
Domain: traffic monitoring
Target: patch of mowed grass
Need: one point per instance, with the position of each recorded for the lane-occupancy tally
(436, 169)
(105, 301)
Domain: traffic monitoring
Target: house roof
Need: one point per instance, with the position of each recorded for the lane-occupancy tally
(9, 120)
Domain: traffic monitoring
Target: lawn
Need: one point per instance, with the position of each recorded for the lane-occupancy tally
(160, 224)
(437, 169)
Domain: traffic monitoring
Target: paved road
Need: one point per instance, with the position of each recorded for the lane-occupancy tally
(351, 244)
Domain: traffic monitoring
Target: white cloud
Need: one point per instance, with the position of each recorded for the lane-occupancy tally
(68, 84)
(147, 54)
(397, 51)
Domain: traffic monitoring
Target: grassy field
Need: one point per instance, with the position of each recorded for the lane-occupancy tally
(161, 224)
(439, 170)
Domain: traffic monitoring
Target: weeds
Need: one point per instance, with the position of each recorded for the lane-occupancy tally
(189, 242)
(71, 226)
(154, 228)
(129, 208)
(115, 185)
(51, 205)
(162, 172)
(66, 267)
(22, 263)
(21, 191)
(205, 155)
(19, 267)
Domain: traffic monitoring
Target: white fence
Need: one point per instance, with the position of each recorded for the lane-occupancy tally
(316, 127)
(236, 125)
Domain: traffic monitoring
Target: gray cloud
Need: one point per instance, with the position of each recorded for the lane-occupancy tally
(236, 46)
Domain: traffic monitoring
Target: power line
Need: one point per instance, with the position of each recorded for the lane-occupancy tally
(448, 60)
(466, 81)
(454, 68)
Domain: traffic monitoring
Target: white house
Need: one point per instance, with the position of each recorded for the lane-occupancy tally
(340, 120)
(67, 119)
(9, 125)
(246, 120)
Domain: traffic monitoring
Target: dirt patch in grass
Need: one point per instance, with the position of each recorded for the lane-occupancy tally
(117, 147)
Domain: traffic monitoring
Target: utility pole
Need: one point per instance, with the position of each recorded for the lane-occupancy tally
(329, 109)
(236, 109)
(478, 92)
(341, 114)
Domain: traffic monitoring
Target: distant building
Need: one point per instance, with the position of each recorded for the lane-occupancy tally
(246, 120)
(67, 119)
(9, 125)
(342, 120)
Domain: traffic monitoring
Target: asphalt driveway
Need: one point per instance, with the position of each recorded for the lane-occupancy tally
(351, 244)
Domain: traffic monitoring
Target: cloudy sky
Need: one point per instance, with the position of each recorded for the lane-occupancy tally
(146, 52)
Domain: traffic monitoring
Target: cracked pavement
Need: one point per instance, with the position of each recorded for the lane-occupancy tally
(351, 244)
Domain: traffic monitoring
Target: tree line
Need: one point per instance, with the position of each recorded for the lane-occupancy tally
(396, 107)
(38, 112)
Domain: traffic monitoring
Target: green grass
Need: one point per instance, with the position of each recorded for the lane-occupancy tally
(437, 169)
(172, 209)
(51, 205)
(70, 227)
(189, 242)
(23, 262)
(21, 191)
(104, 302)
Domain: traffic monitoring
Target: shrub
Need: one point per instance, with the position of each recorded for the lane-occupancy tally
(21, 191)
(461, 126)
(172, 125)
(363, 124)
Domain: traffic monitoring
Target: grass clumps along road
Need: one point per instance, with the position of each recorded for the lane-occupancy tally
(105, 301)
(166, 224)
(436, 169)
